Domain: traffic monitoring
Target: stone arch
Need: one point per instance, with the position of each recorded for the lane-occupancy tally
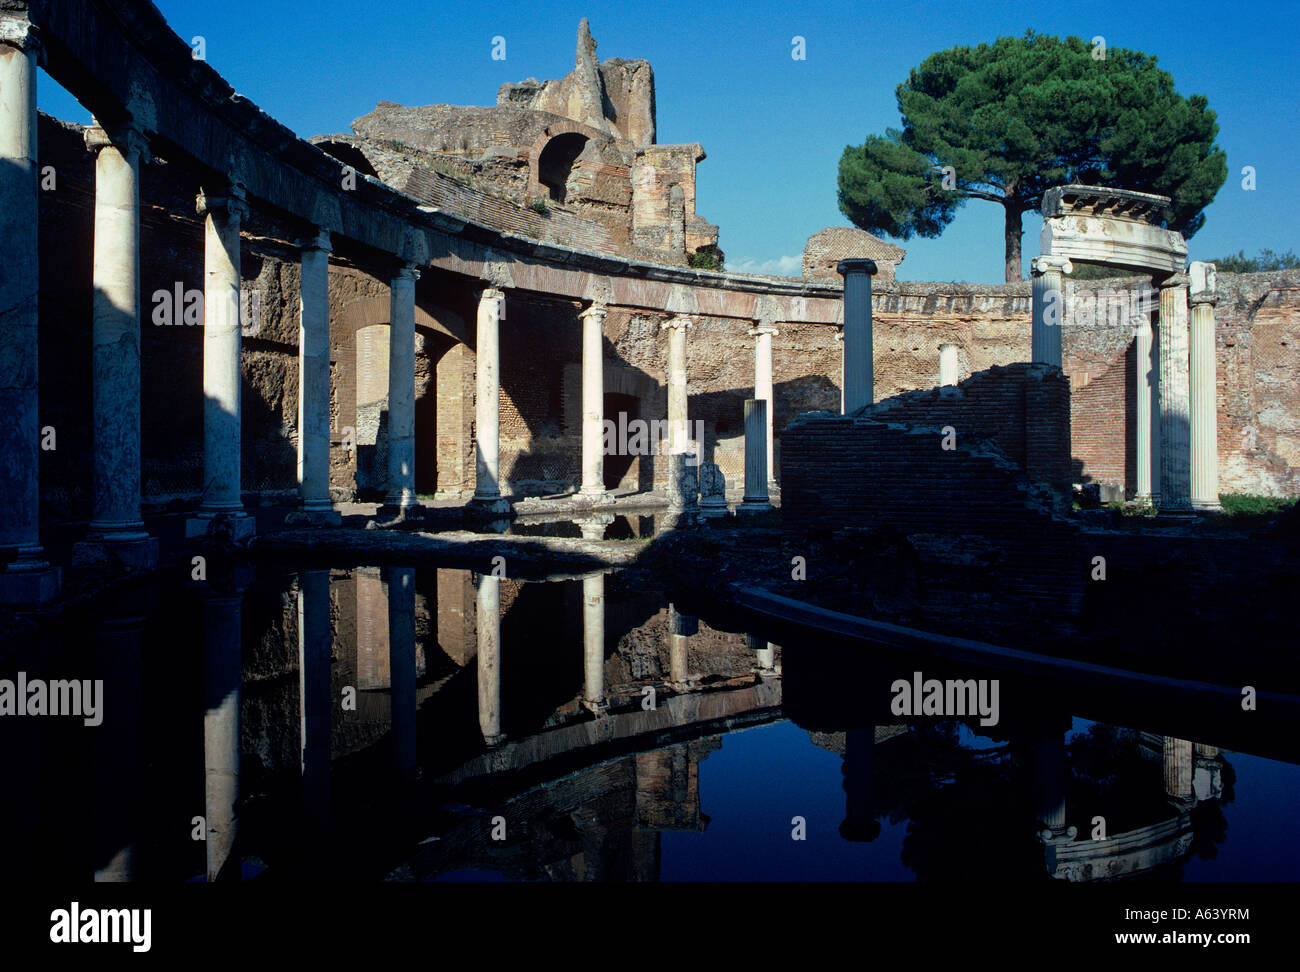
(577, 137)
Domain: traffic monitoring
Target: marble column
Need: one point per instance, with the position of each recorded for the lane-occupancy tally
(1048, 308)
(1147, 408)
(315, 692)
(593, 640)
(947, 364)
(221, 501)
(401, 389)
(755, 499)
(1203, 390)
(678, 424)
(488, 620)
(399, 583)
(116, 525)
(763, 334)
(1175, 417)
(487, 414)
(859, 371)
(26, 578)
(593, 402)
(315, 504)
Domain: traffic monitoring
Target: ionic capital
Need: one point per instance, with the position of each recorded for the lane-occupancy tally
(1042, 264)
(20, 33)
(319, 242)
(856, 265)
(680, 321)
(839, 334)
(597, 310)
(407, 271)
(1174, 280)
(763, 328)
(490, 294)
(126, 138)
(230, 201)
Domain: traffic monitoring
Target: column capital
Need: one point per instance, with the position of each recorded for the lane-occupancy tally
(1203, 280)
(126, 137)
(491, 293)
(318, 241)
(1042, 264)
(20, 33)
(839, 334)
(856, 265)
(597, 309)
(680, 321)
(230, 200)
(763, 327)
(1174, 280)
(407, 271)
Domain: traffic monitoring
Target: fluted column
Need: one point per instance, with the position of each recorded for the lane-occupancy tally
(593, 640)
(1147, 408)
(1048, 308)
(1178, 768)
(487, 416)
(221, 365)
(26, 576)
(859, 370)
(947, 364)
(763, 335)
(1203, 391)
(401, 389)
(755, 499)
(593, 402)
(1175, 409)
(116, 340)
(678, 427)
(314, 383)
(488, 619)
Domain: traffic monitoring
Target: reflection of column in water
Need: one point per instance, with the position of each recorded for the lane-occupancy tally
(1049, 784)
(116, 748)
(1207, 779)
(222, 649)
(680, 628)
(489, 658)
(1178, 768)
(593, 638)
(401, 662)
(860, 823)
(315, 644)
(764, 655)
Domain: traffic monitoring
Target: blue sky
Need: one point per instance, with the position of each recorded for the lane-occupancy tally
(773, 127)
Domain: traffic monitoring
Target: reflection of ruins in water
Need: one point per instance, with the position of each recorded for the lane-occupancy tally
(555, 730)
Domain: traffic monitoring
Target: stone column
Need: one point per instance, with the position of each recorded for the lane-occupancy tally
(763, 335)
(678, 424)
(859, 371)
(947, 364)
(487, 415)
(315, 692)
(593, 640)
(221, 371)
(1203, 391)
(764, 655)
(316, 506)
(1147, 408)
(755, 500)
(1048, 308)
(400, 588)
(488, 619)
(680, 628)
(401, 389)
(27, 577)
(223, 689)
(839, 339)
(116, 525)
(1175, 417)
(593, 402)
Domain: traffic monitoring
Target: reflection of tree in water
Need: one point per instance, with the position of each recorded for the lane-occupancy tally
(966, 808)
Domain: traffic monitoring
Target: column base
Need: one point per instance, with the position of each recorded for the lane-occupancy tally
(593, 497)
(597, 706)
(714, 507)
(323, 518)
(755, 505)
(135, 554)
(232, 527)
(489, 504)
(1207, 506)
(30, 587)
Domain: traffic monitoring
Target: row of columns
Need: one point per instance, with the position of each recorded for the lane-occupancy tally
(1176, 387)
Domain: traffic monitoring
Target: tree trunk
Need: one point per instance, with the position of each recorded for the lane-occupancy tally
(1013, 213)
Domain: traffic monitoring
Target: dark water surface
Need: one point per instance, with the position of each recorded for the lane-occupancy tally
(425, 724)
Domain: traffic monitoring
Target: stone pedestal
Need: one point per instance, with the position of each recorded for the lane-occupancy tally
(221, 512)
(859, 370)
(1147, 409)
(756, 499)
(401, 391)
(26, 578)
(487, 415)
(1203, 391)
(763, 335)
(316, 505)
(947, 364)
(1175, 407)
(593, 403)
(1048, 309)
(713, 490)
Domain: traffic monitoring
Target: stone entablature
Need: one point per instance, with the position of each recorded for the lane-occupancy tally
(1117, 227)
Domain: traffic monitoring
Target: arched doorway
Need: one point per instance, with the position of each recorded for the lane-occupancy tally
(555, 163)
